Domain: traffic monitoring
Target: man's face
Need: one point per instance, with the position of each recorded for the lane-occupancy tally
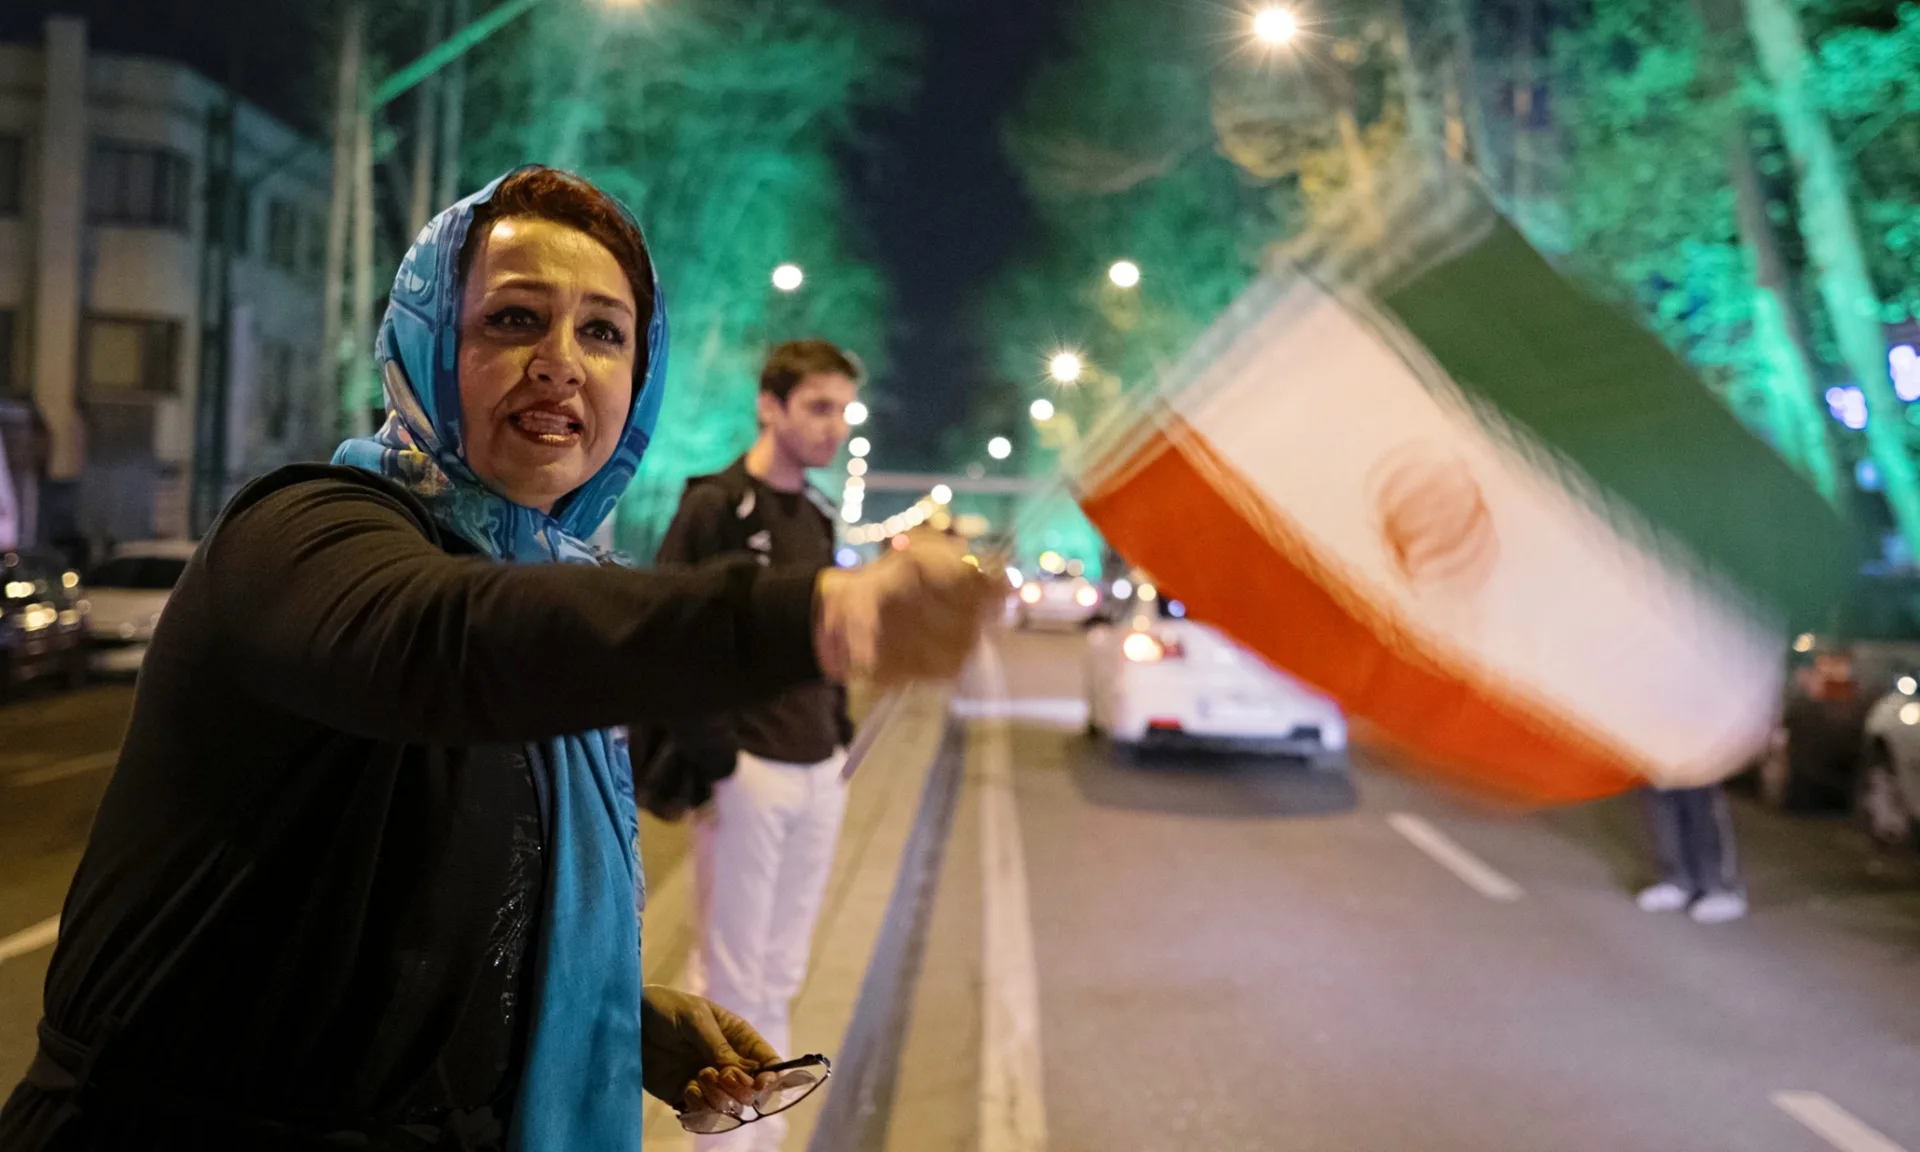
(812, 425)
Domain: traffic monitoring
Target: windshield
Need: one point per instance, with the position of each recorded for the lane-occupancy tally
(139, 573)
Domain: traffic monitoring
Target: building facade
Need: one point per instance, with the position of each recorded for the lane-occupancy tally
(146, 352)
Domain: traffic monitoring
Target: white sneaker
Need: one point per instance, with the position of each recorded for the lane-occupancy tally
(1718, 908)
(1662, 897)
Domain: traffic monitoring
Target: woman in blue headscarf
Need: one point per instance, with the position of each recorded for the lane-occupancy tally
(363, 877)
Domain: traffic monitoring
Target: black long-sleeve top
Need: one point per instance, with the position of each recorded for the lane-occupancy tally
(806, 722)
(312, 895)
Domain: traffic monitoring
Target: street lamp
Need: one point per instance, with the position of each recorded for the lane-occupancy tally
(1042, 410)
(999, 447)
(942, 494)
(856, 414)
(1124, 274)
(788, 277)
(1065, 367)
(1275, 25)
(859, 446)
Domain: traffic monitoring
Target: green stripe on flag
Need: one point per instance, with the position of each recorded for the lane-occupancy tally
(1611, 399)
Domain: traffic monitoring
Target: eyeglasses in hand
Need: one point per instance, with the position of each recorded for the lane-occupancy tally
(794, 1081)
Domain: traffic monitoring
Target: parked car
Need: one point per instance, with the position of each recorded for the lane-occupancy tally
(1047, 601)
(42, 621)
(1155, 678)
(1835, 678)
(1887, 786)
(127, 592)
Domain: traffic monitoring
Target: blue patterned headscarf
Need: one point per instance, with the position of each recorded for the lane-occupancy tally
(580, 1084)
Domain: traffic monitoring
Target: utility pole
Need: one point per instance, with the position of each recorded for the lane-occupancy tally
(216, 303)
(339, 208)
(360, 385)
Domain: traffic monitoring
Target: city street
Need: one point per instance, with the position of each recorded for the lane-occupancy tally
(1232, 953)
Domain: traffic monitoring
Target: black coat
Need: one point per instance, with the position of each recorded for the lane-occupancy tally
(311, 900)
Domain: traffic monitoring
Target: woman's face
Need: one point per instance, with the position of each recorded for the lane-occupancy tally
(548, 338)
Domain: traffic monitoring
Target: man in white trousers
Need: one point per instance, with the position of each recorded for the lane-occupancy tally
(764, 842)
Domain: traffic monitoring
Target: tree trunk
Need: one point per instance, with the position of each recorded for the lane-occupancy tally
(1520, 190)
(1801, 427)
(1839, 258)
(453, 105)
(339, 210)
(1800, 422)
(1362, 188)
(1465, 92)
(1423, 127)
(426, 107)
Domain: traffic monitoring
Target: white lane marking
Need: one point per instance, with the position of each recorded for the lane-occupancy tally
(1832, 1123)
(1065, 712)
(32, 939)
(78, 766)
(1013, 1116)
(1472, 871)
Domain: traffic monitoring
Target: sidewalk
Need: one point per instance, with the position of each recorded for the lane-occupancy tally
(881, 814)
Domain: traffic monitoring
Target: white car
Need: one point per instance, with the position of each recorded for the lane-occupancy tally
(1056, 602)
(1154, 677)
(127, 593)
(1887, 787)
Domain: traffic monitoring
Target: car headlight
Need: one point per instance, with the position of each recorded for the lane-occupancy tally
(1142, 648)
(1030, 593)
(1087, 596)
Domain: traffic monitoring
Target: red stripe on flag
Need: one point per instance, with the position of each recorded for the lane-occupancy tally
(1184, 515)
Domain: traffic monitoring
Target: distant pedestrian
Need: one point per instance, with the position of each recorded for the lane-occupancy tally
(764, 840)
(1699, 871)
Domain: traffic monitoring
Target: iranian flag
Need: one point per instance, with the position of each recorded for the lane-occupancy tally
(1493, 518)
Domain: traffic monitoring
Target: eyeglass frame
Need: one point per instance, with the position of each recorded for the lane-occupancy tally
(812, 1060)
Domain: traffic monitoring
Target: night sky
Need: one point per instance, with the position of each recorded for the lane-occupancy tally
(945, 209)
(938, 201)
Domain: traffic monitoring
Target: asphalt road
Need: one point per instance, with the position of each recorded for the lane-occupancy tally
(1235, 954)
(1221, 954)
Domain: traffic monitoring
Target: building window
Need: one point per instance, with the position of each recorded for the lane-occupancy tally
(13, 160)
(126, 356)
(146, 187)
(316, 244)
(11, 379)
(277, 386)
(283, 235)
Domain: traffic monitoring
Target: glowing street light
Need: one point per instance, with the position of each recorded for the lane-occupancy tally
(789, 277)
(859, 446)
(1065, 367)
(1275, 25)
(856, 414)
(1124, 274)
(1042, 410)
(942, 494)
(999, 447)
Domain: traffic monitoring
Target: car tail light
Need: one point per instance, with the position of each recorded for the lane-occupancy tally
(1146, 648)
(1833, 678)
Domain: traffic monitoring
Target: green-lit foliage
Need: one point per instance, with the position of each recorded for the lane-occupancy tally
(718, 122)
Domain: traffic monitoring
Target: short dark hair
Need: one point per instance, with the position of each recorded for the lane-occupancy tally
(550, 194)
(796, 360)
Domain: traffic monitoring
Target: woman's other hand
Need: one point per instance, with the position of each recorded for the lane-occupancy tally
(915, 614)
(695, 1054)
